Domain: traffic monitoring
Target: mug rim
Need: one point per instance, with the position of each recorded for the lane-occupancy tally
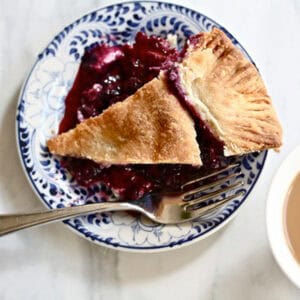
(275, 208)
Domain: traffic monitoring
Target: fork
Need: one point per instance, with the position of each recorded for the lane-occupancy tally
(165, 207)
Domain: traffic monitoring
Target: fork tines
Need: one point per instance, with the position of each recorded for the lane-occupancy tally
(195, 200)
(210, 175)
(212, 206)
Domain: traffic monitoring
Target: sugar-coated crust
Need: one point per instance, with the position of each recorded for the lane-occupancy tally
(148, 127)
(229, 94)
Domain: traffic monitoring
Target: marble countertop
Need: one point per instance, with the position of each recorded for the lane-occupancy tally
(51, 262)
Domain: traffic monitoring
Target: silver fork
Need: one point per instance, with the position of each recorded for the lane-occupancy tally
(165, 208)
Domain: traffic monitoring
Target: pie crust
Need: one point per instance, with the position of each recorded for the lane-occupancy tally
(227, 92)
(149, 127)
(220, 85)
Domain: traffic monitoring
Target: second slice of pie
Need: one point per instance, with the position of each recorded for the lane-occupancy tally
(226, 92)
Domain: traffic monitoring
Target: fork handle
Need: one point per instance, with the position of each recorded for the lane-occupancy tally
(14, 222)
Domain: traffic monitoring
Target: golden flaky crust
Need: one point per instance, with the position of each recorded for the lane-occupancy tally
(229, 94)
(148, 127)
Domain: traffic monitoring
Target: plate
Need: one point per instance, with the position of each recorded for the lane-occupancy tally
(274, 215)
(41, 107)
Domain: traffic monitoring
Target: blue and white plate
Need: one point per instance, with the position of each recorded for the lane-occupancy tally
(41, 107)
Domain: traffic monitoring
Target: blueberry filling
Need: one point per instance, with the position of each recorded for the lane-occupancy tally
(109, 74)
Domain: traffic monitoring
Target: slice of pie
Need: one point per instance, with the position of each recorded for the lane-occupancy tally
(217, 85)
(226, 92)
(149, 127)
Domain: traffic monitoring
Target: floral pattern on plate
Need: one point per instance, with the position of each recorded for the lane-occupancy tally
(41, 107)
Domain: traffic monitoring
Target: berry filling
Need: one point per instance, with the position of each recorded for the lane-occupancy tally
(109, 74)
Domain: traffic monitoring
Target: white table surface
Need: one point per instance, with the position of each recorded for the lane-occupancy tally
(51, 262)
